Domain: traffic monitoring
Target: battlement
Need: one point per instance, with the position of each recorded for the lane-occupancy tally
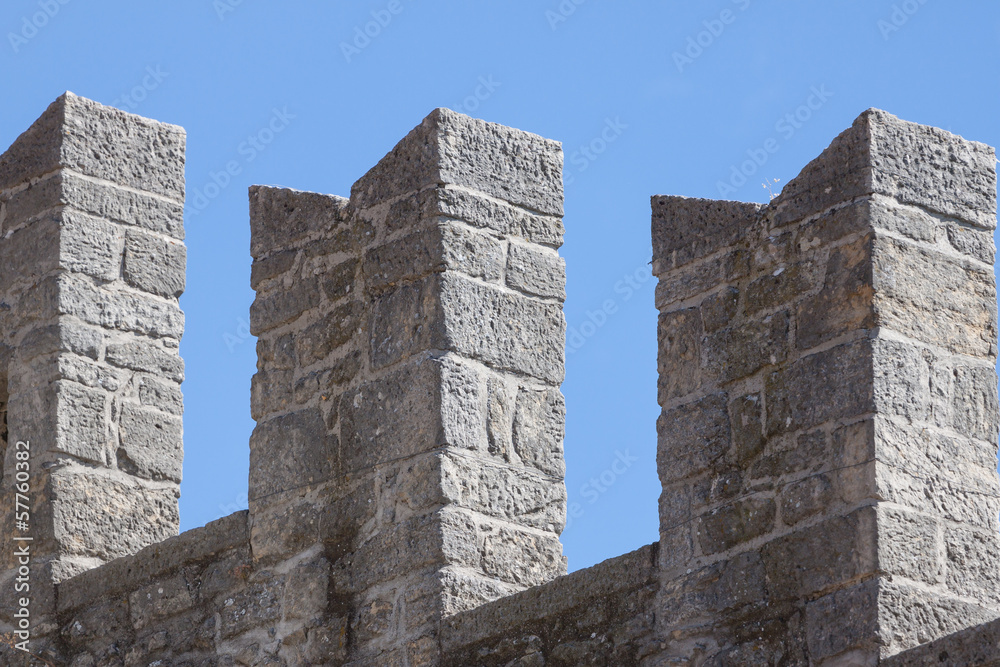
(827, 444)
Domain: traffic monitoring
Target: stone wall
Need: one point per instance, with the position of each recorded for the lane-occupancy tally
(827, 445)
(828, 439)
(91, 267)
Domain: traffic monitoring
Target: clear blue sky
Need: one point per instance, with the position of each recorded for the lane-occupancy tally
(668, 96)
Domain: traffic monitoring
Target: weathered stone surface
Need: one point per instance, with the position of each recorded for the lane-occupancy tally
(827, 385)
(844, 303)
(686, 229)
(745, 348)
(725, 527)
(148, 356)
(119, 310)
(280, 217)
(154, 265)
(935, 298)
(290, 452)
(692, 437)
(284, 304)
(106, 514)
(521, 168)
(151, 443)
(536, 271)
(539, 423)
(679, 363)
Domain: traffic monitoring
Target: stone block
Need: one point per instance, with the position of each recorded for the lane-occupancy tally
(271, 392)
(284, 304)
(90, 245)
(685, 229)
(520, 557)
(332, 331)
(504, 330)
(719, 309)
(901, 380)
(30, 252)
(135, 152)
(806, 498)
(785, 284)
(818, 558)
(290, 452)
(972, 564)
(745, 348)
(160, 600)
(483, 212)
(147, 356)
(975, 410)
(406, 321)
(935, 298)
(972, 242)
(81, 427)
(120, 310)
(282, 217)
(831, 384)
(423, 405)
(404, 259)
(539, 424)
(843, 621)
(151, 443)
(307, 590)
(258, 604)
(692, 437)
(909, 546)
(537, 271)
(164, 396)
(679, 360)
(90, 508)
(746, 420)
(515, 495)
(726, 527)
(274, 265)
(501, 162)
(122, 205)
(845, 301)
(154, 264)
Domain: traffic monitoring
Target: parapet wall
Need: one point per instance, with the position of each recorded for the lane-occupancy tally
(827, 445)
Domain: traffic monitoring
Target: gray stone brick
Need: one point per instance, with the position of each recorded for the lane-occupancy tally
(148, 356)
(290, 452)
(539, 423)
(154, 265)
(536, 271)
(692, 437)
(151, 444)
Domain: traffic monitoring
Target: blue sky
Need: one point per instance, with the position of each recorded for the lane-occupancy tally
(647, 98)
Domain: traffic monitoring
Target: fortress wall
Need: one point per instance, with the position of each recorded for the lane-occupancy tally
(827, 445)
(93, 260)
(828, 435)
